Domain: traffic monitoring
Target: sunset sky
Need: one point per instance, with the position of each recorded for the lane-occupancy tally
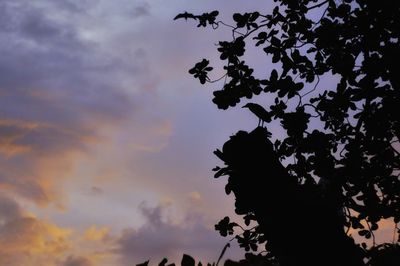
(105, 140)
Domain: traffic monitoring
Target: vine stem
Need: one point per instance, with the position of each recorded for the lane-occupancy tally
(318, 5)
(223, 252)
(372, 233)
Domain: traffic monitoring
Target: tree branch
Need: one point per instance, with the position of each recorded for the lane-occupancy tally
(317, 5)
(223, 252)
(371, 232)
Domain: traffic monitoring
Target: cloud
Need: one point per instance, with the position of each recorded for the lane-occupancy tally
(77, 261)
(9, 209)
(27, 240)
(162, 237)
(59, 92)
(36, 174)
(141, 10)
(96, 191)
(195, 197)
(74, 76)
(74, 7)
(96, 234)
(11, 133)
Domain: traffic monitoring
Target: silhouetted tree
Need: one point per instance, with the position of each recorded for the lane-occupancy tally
(336, 169)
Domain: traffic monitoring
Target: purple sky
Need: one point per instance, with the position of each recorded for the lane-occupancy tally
(105, 140)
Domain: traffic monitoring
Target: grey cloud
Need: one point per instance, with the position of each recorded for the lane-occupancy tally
(27, 22)
(75, 6)
(65, 85)
(35, 26)
(160, 238)
(141, 10)
(96, 191)
(76, 261)
(47, 58)
(9, 209)
(25, 185)
(36, 137)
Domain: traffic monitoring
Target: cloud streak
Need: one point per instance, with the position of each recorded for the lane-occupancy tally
(163, 237)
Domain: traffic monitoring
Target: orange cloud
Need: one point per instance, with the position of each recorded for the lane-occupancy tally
(29, 235)
(35, 157)
(38, 178)
(11, 132)
(96, 234)
(27, 240)
(195, 196)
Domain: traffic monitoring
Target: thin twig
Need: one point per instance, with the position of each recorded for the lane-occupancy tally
(315, 108)
(300, 102)
(371, 232)
(216, 80)
(253, 30)
(317, 5)
(317, 23)
(315, 87)
(223, 252)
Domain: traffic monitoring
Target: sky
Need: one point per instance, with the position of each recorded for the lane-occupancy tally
(105, 139)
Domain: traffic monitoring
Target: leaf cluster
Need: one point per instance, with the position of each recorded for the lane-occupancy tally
(342, 138)
(358, 145)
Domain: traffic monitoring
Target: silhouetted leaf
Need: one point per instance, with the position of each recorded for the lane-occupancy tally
(143, 264)
(225, 227)
(163, 262)
(187, 260)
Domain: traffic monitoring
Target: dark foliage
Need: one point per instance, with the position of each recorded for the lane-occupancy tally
(337, 168)
(186, 261)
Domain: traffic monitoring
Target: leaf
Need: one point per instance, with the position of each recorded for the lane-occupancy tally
(275, 41)
(187, 260)
(374, 227)
(216, 168)
(163, 262)
(220, 172)
(274, 76)
(254, 16)
(214, 13)
(225, 227)
(228, 189)
(276, 57)
(219, 154)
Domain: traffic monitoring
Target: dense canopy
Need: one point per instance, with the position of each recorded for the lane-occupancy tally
(335, 171)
